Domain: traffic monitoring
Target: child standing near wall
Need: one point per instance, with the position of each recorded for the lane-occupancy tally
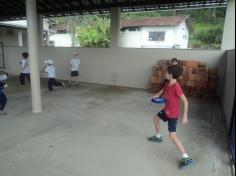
(51, 71)
(3, 98)
(173, 94)
(74, 64)
(25, 69)
(174, 61)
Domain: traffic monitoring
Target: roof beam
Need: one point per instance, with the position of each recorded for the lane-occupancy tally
(158, 3)
(13, 8)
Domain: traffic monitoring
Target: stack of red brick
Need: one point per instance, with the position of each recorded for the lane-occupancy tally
(197, 80)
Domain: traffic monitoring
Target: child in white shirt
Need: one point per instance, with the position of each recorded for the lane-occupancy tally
(51, 71)
(75, 63)
(25, 69)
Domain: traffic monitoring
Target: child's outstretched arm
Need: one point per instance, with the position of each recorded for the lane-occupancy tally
(44, 69)
(185, 116)
(158, 94)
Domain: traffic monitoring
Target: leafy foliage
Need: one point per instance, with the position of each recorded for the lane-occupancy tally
(96, 34)
(210, 38)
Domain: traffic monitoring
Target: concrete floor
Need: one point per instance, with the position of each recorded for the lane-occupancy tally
(99, 130)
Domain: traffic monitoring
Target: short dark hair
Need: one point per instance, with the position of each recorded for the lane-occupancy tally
(175, 71)
(25, 55)
(174, 60)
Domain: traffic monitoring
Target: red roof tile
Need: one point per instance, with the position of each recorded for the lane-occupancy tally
(157, 21)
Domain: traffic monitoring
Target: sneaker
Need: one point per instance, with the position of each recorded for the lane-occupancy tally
(22, 86)
(156, 139)
(186, 162)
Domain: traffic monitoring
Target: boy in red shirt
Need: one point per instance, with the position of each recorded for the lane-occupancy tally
(173, 94)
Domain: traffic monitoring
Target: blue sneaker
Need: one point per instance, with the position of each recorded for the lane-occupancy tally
(186, 162)
(155, 139)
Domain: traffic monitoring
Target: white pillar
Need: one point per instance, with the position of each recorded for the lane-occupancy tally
(20, 38)
(115, 27)
(31, 13)
(40, 30)
(228, 41)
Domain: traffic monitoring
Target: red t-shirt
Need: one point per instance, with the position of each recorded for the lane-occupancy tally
(173, 104)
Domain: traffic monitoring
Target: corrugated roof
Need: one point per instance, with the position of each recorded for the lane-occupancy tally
(15, 9)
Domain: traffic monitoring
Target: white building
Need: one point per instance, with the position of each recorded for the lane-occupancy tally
(14, 33)
(63, 35)
(162, 32)
(61, 40)
(59, 37)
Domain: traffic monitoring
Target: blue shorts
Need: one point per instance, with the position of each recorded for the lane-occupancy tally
(172, 123)
(74, 73)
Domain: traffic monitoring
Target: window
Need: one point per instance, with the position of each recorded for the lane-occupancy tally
(157, 36)
(61, 31)
(130, 29)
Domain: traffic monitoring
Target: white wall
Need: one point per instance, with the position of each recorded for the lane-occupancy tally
(117, 66)
(131, 39)
(229, 86)
(61, 40)
(179, 32)
(228, 42)
(12, 40)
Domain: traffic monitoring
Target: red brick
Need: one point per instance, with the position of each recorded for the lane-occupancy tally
(156, 80)
(212, 84)
(191, 64)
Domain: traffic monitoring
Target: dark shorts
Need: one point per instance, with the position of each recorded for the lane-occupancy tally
(74, 73)
(172, 123)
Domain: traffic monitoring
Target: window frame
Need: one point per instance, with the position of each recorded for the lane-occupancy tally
(158, 37)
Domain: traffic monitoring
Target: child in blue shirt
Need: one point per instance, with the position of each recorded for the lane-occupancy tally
(3, 98)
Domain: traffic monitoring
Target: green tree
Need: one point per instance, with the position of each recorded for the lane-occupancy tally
(211, 38)
(96, 34)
